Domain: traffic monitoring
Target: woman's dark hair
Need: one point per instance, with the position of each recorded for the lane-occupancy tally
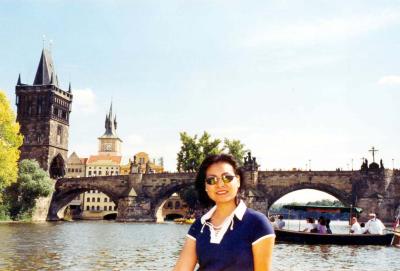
(201, 175)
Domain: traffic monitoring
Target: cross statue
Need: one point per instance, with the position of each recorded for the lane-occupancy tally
(373, 150)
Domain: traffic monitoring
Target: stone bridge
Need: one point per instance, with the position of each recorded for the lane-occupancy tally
(139, 197)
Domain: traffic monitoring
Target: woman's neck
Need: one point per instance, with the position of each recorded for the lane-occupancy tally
(223, 210)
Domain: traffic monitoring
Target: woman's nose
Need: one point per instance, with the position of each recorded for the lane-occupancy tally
(220, 183)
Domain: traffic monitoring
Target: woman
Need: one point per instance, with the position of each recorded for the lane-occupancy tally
(229, 236)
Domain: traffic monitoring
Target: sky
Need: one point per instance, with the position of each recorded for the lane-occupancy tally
(301, 83)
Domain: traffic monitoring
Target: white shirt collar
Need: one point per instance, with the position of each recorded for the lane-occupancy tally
(238, 212)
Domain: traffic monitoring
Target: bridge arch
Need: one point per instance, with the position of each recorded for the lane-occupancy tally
(343, 196)
(163, 195)
(61, 199)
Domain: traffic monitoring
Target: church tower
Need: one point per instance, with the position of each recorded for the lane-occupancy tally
(43, 110)
(110, 143)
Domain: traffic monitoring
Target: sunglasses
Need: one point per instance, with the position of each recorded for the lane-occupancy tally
(225, 178)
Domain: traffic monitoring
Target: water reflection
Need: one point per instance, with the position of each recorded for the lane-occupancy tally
(128, 246)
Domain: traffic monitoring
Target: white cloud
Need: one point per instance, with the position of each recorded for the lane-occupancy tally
(84, 101)
(323, 30)
(390, 80)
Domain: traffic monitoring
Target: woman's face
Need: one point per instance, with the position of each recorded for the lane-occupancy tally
(222, 192)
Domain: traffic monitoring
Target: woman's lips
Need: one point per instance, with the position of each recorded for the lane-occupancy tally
(222, 192)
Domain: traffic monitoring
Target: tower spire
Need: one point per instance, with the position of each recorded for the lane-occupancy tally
(69, 88)
(19, 80)
(110, 123)
(45, 70)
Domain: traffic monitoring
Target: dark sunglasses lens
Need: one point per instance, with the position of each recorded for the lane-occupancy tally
(227, 178)
(211, 180)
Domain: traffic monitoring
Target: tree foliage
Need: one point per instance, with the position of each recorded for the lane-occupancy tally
(33, 182)
(10, 141)
(194, 149)
(236, 149)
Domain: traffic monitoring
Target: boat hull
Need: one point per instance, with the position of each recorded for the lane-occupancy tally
(286, 236)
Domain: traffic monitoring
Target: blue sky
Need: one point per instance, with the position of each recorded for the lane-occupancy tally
(293, 80)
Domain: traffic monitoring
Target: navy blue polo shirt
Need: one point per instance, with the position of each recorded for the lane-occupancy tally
(231, 247)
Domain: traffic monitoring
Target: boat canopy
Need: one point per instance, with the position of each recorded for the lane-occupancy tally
(323, 209)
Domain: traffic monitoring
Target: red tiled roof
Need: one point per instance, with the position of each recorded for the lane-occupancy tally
(94, 158)
(83, 160)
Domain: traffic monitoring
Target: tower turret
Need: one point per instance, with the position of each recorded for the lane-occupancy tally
(43, 110)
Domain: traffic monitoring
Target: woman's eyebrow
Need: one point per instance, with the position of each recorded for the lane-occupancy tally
(224, 173)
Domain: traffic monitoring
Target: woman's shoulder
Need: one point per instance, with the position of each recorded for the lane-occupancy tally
(255, 216)
(260, 225)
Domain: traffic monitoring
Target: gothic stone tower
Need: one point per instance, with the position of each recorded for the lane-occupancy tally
(43, 110)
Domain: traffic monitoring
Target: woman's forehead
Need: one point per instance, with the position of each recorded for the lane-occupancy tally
(220, 167)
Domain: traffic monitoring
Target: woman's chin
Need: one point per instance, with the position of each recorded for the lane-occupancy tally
(223, 199)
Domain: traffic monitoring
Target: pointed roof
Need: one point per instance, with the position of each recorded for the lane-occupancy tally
(19, 80)
(74, 159)
(110, 125)
(45, 73)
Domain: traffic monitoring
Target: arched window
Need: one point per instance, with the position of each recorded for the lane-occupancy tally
(39, 105)
(92, 208)
(110, 208)
(98, 208)
(105, 199)
(39, 138)
(169, 204)
(98, 199)
(105, 208)
(177, 204)
(87, 208)
(88, 199)
(59, 134)
(29, 110)
(93, 199)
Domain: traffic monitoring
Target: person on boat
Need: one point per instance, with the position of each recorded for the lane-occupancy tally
(280, 223)
(374, 225)
(273, 222)
(310, 225)
(355, 226)
(229, 236)
(362, 225)
(321, 225)
(328, 226)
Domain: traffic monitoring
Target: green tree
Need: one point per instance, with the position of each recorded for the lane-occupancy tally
(33, 182)
(236, 149)
(194, 150)
(189, 195)
(10, 141)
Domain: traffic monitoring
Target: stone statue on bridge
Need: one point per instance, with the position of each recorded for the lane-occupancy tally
(250, 163)
(148, 168)
(134, 166)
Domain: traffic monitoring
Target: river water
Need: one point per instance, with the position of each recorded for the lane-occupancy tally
(103, 245)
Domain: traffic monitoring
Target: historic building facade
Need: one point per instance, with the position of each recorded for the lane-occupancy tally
(94, 203)
(142, 163)
(76, 167)
(174, 207)
(43, 110)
